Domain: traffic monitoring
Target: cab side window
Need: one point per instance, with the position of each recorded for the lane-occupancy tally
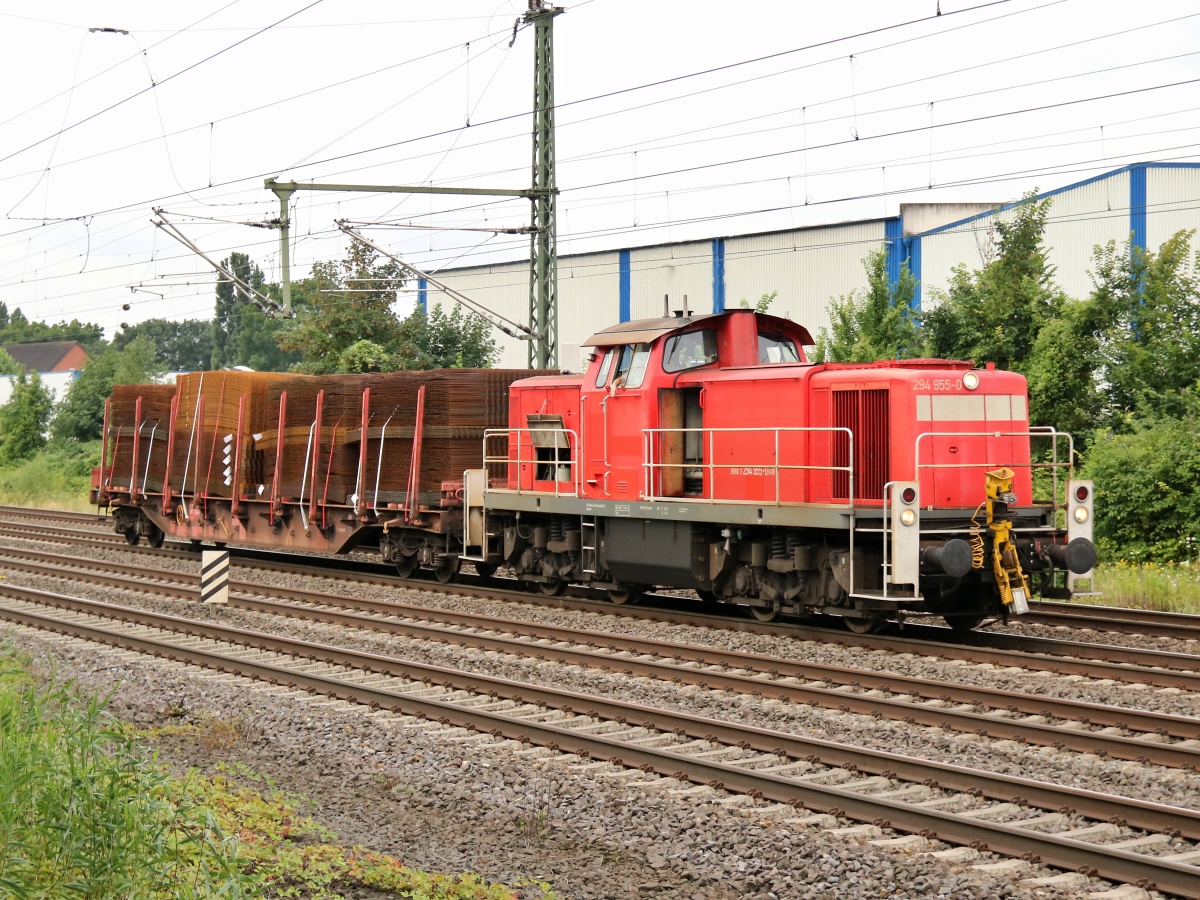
(775, 348)
(605, 367)
(689, 350)
(631, 365)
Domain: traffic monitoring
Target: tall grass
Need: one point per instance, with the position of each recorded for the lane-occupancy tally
(57, 477)
(1169, 587)
(84, 814)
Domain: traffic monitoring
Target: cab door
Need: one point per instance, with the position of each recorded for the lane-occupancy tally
(594, 396)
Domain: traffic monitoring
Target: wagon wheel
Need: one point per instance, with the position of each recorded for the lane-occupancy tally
(406, 565)
(156, 537)
(132, 537)
(870, 625)
(963, 623)
(484, 570)
(764, 613)
(446, 569)
(626, 596)
(555, 588)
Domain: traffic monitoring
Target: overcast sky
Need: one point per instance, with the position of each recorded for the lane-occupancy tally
(676, 119)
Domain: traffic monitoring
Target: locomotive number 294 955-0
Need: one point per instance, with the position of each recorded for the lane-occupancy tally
(937, 384)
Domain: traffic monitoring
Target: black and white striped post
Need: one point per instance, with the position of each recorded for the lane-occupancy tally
(214, 576)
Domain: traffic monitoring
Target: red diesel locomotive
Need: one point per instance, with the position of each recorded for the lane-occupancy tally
(701, 452)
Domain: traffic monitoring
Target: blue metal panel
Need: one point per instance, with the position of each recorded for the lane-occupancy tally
(893, 231)
(1137, 206)
(625, 290)
(912, 249)
(718, 264)
(423, 295)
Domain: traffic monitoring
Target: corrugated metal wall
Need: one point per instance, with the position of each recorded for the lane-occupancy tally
(808, 267)
(587, 301)
(1172, 203)
(1079, 219)
(671, 271)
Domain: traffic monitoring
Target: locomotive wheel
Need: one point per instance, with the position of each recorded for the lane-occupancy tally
(555, 588)
(626, 597)
(132, 537)
(484, 570)
(447, 569)
(764, 613)
(707, 596)
(406, 565)
(156, 538)
(964, 623)
(869, 625)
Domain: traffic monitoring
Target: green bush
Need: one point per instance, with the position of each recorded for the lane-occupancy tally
(1147, 491)
(84, 814)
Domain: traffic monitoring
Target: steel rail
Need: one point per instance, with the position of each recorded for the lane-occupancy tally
(1182, 626)
(1157, 668)
(1113, 618)
(31, 512)
(244, 593)
(1054, 850)
(946, 691)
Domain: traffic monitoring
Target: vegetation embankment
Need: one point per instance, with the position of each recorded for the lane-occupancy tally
(86, 811)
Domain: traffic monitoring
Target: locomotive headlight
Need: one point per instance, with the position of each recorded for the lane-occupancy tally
(971, 381)
(908, 516)
(1081, 514)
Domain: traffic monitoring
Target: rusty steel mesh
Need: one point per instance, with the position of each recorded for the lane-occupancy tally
(328, 462)
(152, 432)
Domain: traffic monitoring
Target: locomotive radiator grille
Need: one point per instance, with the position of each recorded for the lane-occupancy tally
(866, 414)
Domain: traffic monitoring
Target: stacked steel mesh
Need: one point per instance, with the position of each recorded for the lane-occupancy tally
(331, 464)
(328, 462)
(201, 440)
(152, 431)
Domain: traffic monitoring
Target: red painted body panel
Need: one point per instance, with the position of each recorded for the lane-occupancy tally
(750, 431)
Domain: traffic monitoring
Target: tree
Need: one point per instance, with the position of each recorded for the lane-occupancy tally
(1128, 351)
(343, 303)
(15, 328)
(255, 342)
(995, 314)
(183, 346)
(80, 415)
(879, 323)
(232, 302)
(23, 419)
(460, 340)
(1150, 353)
(8, 365)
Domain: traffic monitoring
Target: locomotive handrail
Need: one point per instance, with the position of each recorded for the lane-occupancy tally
(650, 466)
(506, 460)
(1035, 431)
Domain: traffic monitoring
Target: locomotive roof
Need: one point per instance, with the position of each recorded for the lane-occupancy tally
(645, 331)
(642, 331)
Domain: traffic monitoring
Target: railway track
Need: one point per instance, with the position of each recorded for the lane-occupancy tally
(1107, 731)
(813, 780)
(1069, 616)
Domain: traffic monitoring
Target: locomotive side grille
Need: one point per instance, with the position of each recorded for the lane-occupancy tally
(865, 413)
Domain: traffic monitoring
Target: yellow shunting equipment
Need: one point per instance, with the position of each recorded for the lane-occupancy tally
(1012, 581)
